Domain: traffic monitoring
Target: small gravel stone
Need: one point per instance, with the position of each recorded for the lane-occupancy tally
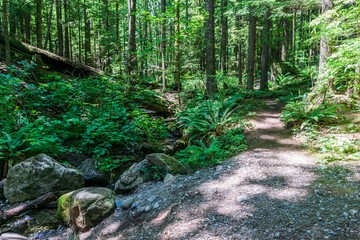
(127, 203)
(353, 211)
(240, 198)
(156, 205)
(168, 177)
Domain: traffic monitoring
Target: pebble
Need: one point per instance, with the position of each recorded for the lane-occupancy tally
(118, 203)
(168, 177)
(127, 203)
(151, 199)
(353, 211)
(241, 198)
(156, 205)
(147, 208)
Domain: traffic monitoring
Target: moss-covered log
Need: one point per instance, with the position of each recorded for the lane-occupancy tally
(54, 61)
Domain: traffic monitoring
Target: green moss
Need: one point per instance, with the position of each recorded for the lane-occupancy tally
(63, 210)
(174, 165)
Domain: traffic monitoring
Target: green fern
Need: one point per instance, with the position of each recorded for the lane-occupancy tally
(205, 122)
(299, 113)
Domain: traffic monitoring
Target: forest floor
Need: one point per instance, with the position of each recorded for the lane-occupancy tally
(275, 190)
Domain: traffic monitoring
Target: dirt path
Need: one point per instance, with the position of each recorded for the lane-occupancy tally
(275, 190)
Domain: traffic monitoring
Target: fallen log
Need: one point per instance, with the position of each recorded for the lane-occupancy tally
(37, 203)
(54, 61)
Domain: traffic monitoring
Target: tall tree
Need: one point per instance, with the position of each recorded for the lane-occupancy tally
(6, 35)
(177, 45)
(324, 41)
(239, 47)
(131, 62)
(87, 35)
(265, 52)
(49, 24)
(224, 36)
(251, 50)
(211, 86)
(38, 20)
(66, 37)
(59, 27)
(163, 41)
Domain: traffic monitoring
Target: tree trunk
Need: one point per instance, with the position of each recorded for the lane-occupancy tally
(131, 62)
(324, 44)
(163, 41)
(177, 45)
(27, 26)
(265, 52)
(87, 36)
(49, 25)
(37, 203)
(59, 27)
(239, 58)
(67, 40)
(6, 34)
(210, 48)
(38, 23)
(251, 51)
(58, 63)
(224, 37)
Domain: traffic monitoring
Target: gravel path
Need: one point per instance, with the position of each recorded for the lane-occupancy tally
(275, 190)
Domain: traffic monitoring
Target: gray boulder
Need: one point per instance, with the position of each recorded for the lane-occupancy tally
(2, 183)
(39, 175)
(93, 176)
(137, 174)
(85, 208)
(166, 164)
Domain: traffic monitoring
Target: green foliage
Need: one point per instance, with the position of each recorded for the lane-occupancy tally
(339, 149)
(91, 116)
(300, 113)
(12, 147)
(108, 165)
(222, 147)
(207, 120)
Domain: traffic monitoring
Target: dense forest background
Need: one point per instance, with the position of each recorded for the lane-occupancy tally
(82, 77)
(142, 101)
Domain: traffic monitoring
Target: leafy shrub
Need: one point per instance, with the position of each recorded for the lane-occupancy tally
(198, 156)
(12, 147)
(299, 113)
(222, 147)
(207, 120)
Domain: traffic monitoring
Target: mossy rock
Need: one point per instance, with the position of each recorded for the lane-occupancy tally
(86, 207)
(166, 164)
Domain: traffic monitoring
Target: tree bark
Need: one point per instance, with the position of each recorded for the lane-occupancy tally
(239, 57)
(224, 36)
(265, 52)
(27, 26)
(251, 51)
(163, 42)
(177, 45)
(6, 34)
(49, 25)
(324, 44)
(38, 20)
(211, 86)
(66, 37)
(87, 36)
(59, 27)
(37, 203)
(53, 60)
(131, 62)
